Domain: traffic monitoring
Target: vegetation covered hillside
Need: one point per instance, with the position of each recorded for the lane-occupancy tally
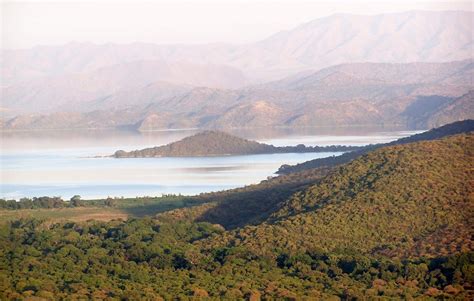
(465, 126)
(216, 143)
(397, 200)
(251, 204)
(393, 224)
(255, 203)
(143, 259)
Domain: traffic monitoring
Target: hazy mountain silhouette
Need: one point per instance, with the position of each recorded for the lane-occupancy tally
(146, 86)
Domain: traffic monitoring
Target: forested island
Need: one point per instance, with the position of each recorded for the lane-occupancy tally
(216, 143)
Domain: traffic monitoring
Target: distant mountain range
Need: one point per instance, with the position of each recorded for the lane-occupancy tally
(148, 87)
(418, 95)
(59, 93)
(414, 36)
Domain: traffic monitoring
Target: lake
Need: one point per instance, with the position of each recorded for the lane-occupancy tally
(61, 163)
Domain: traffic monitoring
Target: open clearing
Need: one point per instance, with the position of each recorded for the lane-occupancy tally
(62, 214)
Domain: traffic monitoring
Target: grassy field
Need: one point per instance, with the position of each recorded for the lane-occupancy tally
(63, 214)
(104, 210)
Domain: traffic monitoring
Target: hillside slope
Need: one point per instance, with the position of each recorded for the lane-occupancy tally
(254, 204)
(460, 108)
(247, 205)
(464, 126)
(374, 204)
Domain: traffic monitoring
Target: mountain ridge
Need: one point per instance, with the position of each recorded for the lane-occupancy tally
(438, 36)
(359, 198)
(342, 89)
(298, 101)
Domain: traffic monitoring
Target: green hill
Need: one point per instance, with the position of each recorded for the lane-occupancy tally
(251, 204)
(255, 203)
(458, 127)
(397, 200)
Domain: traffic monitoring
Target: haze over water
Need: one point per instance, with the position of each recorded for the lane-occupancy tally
(62, 163)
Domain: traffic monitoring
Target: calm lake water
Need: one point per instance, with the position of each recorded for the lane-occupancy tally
(60, 163)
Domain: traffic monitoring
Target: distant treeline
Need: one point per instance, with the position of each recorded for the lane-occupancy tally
(36, 203)
(46, 202)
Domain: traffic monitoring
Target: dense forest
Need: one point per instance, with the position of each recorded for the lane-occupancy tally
(394, 223)
(147, 260)
(216, 143)
(374, 204)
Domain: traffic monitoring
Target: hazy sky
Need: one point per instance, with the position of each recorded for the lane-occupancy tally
(29, 23)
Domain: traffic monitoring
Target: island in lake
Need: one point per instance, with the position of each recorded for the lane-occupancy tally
(216, 143)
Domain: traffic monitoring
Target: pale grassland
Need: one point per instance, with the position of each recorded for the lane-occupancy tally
(65, 214)
(98, 210)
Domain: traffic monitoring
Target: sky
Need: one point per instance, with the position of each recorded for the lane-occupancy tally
(26, 24)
